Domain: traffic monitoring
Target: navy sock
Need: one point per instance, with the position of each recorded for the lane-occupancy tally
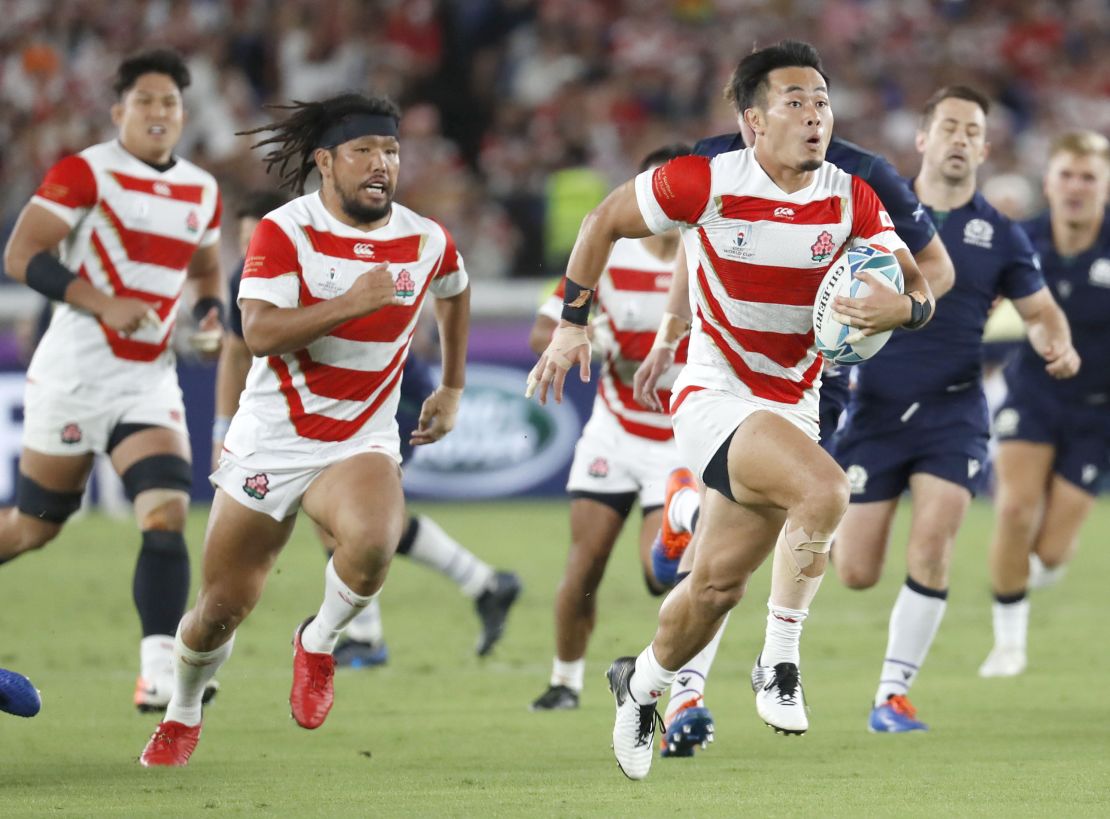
(160, 587)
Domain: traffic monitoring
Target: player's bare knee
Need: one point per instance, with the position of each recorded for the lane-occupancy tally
(717, 598)
(34, 534)
(824, 503)
(1017, 511)
(857, 577)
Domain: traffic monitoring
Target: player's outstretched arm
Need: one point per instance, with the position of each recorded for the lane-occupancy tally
(272, 330)
(1049, 333)
(28, 258)
(439, 411)
(675, 325)
(617, 217)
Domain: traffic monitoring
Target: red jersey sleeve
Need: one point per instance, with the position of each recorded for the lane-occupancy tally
(870, 221)
(271, 271)
(674, 193)
(449, 278)
(69, 186)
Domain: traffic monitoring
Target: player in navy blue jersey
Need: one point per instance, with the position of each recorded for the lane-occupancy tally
(917, 417)
(363, 645)
(1054, 435)
(914, 227)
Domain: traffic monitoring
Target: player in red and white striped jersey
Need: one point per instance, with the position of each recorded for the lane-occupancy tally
(760, 227)
(331, 290)
(134, 225)
(625, 451)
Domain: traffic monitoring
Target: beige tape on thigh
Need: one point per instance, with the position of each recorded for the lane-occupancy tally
(801, 549)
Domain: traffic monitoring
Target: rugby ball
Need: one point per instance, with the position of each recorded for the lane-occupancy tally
(829, 334)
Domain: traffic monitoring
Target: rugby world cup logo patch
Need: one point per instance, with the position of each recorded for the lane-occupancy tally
(257, 486)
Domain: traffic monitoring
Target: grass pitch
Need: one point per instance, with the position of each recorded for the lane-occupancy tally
(438, 732)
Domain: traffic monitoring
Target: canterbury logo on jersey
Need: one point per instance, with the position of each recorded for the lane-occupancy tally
(364, 249)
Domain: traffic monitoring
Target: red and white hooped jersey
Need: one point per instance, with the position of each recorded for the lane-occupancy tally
(631, 297)
(134, 232)
(342, 389)
(756, 256)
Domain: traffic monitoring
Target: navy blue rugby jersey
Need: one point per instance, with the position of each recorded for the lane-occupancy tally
(911, 220)
(1081, 286)
(992, 256)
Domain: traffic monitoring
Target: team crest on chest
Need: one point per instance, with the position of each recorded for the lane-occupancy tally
(823, 248)
(192, 222)
(405, 286)
(980, 233)
(1100, 273)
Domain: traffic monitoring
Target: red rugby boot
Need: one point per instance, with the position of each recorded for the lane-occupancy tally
(171, 745)
(313, 691)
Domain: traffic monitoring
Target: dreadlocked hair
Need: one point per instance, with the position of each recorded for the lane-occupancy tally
(297, 136)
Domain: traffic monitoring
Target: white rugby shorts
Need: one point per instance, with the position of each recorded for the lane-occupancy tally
(707, 417)
(79, 421)
(608, 460)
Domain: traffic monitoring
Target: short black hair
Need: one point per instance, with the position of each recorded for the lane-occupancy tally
(956, 92)
(256, 204)
(665, 154)
(158, 61)
(748, 85)
(297, 136)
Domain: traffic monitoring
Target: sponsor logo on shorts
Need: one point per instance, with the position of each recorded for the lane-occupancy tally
(71, 434)
(405, 286)
(973, 467)
(175, 415)
(257, 486)
(1006, 423)
(1089, 474)
(823, 248)
(980, 233)
(599, 468)
(857, 479)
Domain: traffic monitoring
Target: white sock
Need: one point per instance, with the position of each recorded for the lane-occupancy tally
(435, 548)
(650, 679)
(569, 673)
(367, 625)
(689, 683)
(914, 621)
(341, 605)
(680, 514)
(783, 636)
(192, 671)
(156, 657)
(1011, 623)
(1042, 576)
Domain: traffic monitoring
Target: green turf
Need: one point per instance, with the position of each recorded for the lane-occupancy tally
(440, 733)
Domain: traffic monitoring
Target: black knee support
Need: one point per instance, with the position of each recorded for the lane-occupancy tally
(157, 472)
(37, 501)
(160, 588)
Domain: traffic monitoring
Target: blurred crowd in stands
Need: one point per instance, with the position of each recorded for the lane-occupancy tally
(521, 114)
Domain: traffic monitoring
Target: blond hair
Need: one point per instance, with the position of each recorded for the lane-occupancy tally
(1081, 143)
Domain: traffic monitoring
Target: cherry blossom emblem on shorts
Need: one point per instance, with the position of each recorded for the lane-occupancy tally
(257, 486)
(71, 434)
(823, 248)
(599, 468)
(405, 286)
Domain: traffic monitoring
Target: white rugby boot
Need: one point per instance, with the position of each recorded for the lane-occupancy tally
(779, 699)
(634, 727)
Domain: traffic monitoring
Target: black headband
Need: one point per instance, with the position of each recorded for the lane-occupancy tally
(353, 126)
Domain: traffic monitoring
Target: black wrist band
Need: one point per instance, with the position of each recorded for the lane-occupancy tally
(920, 311)
(203, 305)
(576, 303)
(46, 275)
